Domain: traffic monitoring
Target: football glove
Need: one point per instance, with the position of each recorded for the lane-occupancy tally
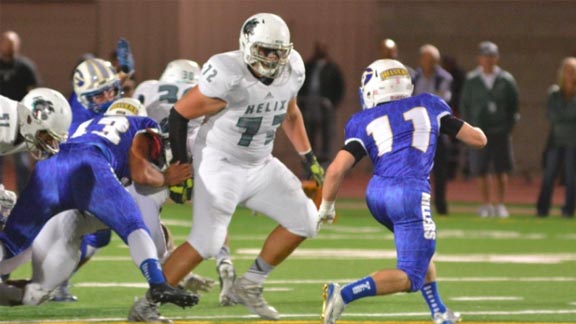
(326, 212)
(182, 193)
(313, 168)
(7, 202)
(124, 56)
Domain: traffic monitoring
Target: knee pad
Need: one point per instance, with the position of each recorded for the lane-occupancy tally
(34, 294)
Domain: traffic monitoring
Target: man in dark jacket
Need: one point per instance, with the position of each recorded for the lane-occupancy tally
(490, 101)
(319, 97)
(17, 76)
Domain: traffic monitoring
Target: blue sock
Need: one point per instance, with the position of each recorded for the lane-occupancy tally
(152, 270)
(364, 287)
(432, 297)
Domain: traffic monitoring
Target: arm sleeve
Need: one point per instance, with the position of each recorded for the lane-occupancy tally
(354, 139)
(450, 125)
(178, 128)
(356, 149)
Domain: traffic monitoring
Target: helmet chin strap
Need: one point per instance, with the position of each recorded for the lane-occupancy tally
(261, 78)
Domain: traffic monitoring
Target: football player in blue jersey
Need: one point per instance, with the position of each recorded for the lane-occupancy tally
(86, 177)
(96, 86)
(399, 133)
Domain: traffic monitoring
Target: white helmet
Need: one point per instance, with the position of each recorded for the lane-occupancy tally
(181, 71)
(92, 78)
(126, 107)
(262, 37)
(44, 116)
(383, 81)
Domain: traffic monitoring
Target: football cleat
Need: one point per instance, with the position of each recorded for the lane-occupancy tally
(196, 283)
(62, 294)
(164, 293)
(448, 317)
(249, 294)
(227, 276)
(146, 311)
(333, 305)
(34, 294)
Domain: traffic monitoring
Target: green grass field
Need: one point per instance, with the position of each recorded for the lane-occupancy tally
(520, 270)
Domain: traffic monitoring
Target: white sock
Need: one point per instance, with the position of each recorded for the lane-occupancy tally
(141, 246)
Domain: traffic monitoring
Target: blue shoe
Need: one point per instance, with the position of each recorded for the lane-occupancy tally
(333, 305)
(448, 317)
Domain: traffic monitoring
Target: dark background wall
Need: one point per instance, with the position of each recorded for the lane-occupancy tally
(533, 37)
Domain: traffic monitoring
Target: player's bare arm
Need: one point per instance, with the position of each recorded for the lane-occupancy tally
(194, 104)
(472, 136)
(293, 126)
(144, 172)
(343, 162)
(464, 132)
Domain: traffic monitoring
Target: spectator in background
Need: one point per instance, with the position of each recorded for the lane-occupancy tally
(457, 153)
(17, 76)
(490, 101)
(451, 66)
(389, 50)
(429, 77)
(319, 97)
(561, 111)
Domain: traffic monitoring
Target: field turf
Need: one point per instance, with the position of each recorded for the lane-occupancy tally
(517, 270)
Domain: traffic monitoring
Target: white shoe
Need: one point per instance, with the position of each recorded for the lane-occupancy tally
(34, 294)
(249, 294)
(486, 211)
(62, 293)
(501, 211)
(333, 305)
(226, 275)
(448, 317)
(196, 283)
(146, 311)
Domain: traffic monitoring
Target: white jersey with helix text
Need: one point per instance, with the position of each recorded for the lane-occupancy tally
(245, 129)
(9, 127)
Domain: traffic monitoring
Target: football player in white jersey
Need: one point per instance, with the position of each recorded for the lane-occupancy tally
(245, 95)
(159, 96)
(38, 123)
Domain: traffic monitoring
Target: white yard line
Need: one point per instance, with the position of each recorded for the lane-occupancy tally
(344, 280)
(486, 298)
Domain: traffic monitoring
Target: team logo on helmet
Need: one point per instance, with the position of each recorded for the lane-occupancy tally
(249, 26)
(42, 108)
(367, 76)
(79, 78)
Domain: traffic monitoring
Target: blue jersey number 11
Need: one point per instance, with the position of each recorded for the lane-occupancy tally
(381, 131)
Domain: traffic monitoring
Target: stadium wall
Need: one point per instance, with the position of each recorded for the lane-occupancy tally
(533, 37)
